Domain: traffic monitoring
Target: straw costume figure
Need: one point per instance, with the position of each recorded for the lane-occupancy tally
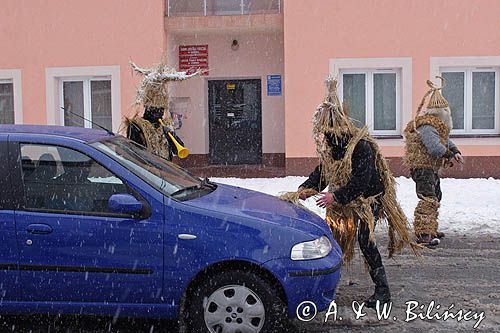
(155, 129)
(361, 190)
(427, 150)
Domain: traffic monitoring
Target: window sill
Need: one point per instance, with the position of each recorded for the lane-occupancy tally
(384, 137)
(474, 136)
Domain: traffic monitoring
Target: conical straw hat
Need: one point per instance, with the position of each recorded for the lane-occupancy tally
(330, 116)
(437, 100)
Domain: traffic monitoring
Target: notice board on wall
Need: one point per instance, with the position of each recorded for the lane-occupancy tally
(274, 85)
(193, 57)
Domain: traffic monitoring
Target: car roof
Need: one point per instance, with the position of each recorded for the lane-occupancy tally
(79, 133)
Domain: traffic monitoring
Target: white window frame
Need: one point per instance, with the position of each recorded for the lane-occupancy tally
(404, 87)
(369, 97)
(439, 64)
(87, 99)
(468, 130)
(14, 76)
(54, 76)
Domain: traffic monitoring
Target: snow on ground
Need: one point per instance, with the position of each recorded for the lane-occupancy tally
(468, 205)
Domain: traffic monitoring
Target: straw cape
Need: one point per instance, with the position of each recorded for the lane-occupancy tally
(331, 118)
(154, 139)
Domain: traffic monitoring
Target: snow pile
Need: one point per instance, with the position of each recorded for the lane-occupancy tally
(468, 205)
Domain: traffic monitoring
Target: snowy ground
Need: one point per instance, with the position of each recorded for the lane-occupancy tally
(463, 272)
(468, 205)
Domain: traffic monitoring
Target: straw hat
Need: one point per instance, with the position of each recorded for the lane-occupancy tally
(437, 106)
(330, 116)
(437, 100)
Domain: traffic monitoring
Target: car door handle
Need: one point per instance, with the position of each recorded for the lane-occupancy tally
(39, 228)
(186, 236)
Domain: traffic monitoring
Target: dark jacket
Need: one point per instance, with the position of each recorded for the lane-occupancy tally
(365, 179)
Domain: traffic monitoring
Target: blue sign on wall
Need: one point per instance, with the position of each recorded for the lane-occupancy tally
(274, 85)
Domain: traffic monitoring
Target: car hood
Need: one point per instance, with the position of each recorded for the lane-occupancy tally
(248, 204)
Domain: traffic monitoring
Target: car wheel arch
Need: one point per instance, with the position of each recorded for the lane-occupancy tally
(230, 265)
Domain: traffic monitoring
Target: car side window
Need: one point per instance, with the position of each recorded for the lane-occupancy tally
(59, 179)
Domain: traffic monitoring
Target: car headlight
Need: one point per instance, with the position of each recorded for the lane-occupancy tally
(314, 249)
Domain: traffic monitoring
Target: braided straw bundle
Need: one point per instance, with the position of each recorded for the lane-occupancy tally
(293, 197)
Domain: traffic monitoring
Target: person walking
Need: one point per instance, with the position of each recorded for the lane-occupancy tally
(361, 190)
(428, 149)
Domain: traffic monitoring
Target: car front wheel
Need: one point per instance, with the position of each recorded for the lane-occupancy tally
(235, 301)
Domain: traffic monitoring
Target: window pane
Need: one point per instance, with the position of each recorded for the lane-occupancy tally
(224, 7)
(384, 101)
(159, 173)
(73, 103)
(186, 8)
(6, 103)
(483, 100)
(355, 97)
(63, 180)
(101, 103)
(453, 91)
(261, 6)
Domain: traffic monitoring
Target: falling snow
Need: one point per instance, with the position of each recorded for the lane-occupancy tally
(468, 205)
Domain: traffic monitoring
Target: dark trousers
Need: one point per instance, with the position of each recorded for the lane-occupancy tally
(427, 183)
(369, 249)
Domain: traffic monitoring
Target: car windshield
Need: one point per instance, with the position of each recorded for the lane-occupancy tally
(163, 175)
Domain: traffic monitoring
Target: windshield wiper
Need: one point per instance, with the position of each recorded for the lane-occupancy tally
(206, 182)
(186, 189)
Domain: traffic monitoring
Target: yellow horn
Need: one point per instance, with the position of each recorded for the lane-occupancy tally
(182, 152)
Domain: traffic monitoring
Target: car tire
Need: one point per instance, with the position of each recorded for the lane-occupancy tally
(227, 301)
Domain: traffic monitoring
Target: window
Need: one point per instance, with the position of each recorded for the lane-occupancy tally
(473, 97)
(373, 98)
(86, 98)
(222, 7)
(11, 105)
(59, 179)
(92, 92)
(6, 102)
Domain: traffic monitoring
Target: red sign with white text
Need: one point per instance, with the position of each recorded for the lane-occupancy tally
(193, 57)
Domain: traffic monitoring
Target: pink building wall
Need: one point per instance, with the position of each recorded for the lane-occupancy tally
(317, 31)
(260, 53)
(301, 44)
(36, 35)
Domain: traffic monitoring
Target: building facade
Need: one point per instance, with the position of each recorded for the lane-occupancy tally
(266, 61)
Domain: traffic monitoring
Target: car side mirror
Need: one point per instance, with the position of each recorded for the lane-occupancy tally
(125, 203)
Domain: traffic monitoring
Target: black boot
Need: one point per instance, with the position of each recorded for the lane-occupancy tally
(382, 293)
(428, 241)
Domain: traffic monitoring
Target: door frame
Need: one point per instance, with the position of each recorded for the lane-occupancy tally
(243, 78)
(9, 266)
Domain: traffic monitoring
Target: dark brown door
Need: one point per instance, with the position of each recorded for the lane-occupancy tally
(235, 121)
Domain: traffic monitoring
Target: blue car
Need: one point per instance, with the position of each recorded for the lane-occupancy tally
(91, 223)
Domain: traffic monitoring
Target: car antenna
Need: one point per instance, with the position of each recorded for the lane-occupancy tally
(90, 121)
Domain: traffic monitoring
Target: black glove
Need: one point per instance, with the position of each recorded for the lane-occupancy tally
(449, 154)
(455, 151)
